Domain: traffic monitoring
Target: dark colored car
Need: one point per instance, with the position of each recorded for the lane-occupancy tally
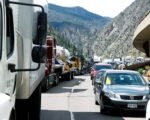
(121, 90)
(99, 66)
(98, 75)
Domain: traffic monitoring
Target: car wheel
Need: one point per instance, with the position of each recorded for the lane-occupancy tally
(102, 108)
(96, 103)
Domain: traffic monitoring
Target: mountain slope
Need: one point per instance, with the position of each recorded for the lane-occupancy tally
(76, 15)
(115, 39)
(76, 25)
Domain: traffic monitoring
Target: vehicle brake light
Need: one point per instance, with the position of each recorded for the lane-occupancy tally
(94, 72)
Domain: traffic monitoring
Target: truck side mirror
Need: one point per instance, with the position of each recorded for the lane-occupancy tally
(41, 29)
(39, 54)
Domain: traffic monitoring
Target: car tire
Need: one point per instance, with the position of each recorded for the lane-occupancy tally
(96, 103)
(102, 108)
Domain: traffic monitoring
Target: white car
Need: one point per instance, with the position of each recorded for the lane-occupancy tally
(148, 111)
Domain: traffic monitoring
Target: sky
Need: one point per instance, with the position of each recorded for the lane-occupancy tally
(109, 8)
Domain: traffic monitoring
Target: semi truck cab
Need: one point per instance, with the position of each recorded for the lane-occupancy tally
(22, 55)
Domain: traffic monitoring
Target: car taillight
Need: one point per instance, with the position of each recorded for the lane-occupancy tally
(95, 72)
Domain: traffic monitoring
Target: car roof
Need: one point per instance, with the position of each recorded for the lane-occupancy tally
(102, 64)
(121, 71)
(103, 70)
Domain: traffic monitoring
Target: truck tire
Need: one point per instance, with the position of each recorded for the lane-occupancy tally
(22, 109)
(56, 82)
(72, 75)
(35, 105)
(13, 115)
(45, 85)
(29, 109)
(69, 76)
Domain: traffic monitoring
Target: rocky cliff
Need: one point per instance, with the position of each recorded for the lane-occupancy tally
(115, 39)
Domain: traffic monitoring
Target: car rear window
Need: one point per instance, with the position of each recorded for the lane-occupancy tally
(100, 67)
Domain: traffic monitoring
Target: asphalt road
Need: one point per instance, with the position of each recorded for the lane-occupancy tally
(74, 100)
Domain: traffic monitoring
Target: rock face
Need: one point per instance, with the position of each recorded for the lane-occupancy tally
(115, 39)
(76, 25)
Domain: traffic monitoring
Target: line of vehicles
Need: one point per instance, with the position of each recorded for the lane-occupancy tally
(119, 89)
(141, 42)
(126, 89)
(30, 61)
(59, 64)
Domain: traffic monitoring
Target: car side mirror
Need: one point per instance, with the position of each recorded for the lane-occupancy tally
(148, 84)
(98, 82)
(40, 38)
(39, 54)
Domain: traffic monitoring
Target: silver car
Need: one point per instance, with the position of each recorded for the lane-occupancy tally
(121, 89)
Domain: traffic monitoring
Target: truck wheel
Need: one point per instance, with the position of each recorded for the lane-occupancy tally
(56, 82)
(22, 114)
(35, 105)
(45, 85)
(12, 116)
(69, 76)
(29, 109)
(72, 75)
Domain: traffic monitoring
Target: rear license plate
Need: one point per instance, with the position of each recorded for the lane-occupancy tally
(132, 105)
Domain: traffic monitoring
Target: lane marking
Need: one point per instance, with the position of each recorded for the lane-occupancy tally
(72, 90)
(71, 113)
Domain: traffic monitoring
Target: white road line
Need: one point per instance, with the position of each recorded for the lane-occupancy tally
(72, 90)
(71, 113)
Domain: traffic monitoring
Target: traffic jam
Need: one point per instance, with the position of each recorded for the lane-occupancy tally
(41, 80)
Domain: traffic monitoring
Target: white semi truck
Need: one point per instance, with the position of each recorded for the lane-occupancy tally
(23, 27)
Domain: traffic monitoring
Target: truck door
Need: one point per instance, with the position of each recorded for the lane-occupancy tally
(7, 55)
(11, 53)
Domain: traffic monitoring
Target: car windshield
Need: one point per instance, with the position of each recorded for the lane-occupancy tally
(100, 67)
(124, 79)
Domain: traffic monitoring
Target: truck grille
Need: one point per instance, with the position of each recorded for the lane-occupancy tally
(126, 97)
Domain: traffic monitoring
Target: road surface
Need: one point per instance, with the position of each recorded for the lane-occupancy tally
(74, 100)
